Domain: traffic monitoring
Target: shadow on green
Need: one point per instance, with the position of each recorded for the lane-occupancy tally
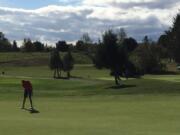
(33, 111)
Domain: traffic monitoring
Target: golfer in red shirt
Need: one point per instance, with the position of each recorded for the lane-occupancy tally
(28, 92)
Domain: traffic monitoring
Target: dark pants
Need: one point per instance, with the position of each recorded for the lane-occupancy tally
(27, 93)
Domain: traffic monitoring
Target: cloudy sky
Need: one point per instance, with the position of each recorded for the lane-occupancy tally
(53, 20)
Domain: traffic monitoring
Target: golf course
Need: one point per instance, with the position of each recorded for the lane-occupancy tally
(89, 67)
(89, 103)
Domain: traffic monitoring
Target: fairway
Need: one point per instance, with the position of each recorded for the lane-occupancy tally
(89, 105)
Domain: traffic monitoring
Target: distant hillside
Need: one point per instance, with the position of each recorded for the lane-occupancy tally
(36, 59)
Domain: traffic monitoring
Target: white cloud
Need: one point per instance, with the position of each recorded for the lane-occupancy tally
(106, 2)
(53, 23)
(132, 3)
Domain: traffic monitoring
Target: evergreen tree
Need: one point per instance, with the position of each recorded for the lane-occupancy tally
(56, 63)
(5, 45)
(111, 56)
(86, 38)
(129, 44)
(68, 63)
(14, 46)
(28, 45)
(121, 35)
(38, 46)
(146, 40)
(171, 40)
(176, 37)
(80, 46)
(62, 46)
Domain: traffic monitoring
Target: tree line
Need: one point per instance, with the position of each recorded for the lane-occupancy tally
(115, 51)
(123, 56)
(85, 45)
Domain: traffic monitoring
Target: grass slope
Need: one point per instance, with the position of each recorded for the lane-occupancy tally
(36, 59)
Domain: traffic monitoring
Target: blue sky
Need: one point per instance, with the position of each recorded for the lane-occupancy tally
(53, 20)
(33, 4)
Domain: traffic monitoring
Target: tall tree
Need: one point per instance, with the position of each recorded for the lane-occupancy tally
(163, 41)
(121, 35)
(38, 46)
(146, 40)
(5, 45)
(2, 36)
(129, 44)
(86, 38)
(176, 37)
(28, 45)
(14, 46)
(62, 46)
(111, 56)
(80, 46)
(166, 42)
(171, 40)
(68, 63)
(56, 63)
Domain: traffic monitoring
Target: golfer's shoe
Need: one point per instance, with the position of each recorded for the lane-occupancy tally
(31, 108)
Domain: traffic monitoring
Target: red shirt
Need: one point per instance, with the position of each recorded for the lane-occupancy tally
(27, 85)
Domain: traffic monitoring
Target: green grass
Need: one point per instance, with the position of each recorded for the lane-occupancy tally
(91, 105)
(20, 59)
(152, 115)
(172, 78)
(21, 56)
(85, 71)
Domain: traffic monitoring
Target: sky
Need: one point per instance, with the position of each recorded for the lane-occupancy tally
(52, 20)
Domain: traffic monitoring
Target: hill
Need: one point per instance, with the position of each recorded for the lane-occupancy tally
(36, 59)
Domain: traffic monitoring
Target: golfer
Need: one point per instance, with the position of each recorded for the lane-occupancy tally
(28, 92)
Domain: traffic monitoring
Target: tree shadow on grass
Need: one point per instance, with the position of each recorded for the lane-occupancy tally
(166, 73)
(71, 77)
(76, 77)
(121, 86)
(63, 78)
(32, 111)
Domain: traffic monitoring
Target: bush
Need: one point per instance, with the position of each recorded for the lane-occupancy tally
(147, 59)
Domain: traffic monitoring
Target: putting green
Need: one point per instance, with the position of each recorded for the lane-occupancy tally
(153, 115)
